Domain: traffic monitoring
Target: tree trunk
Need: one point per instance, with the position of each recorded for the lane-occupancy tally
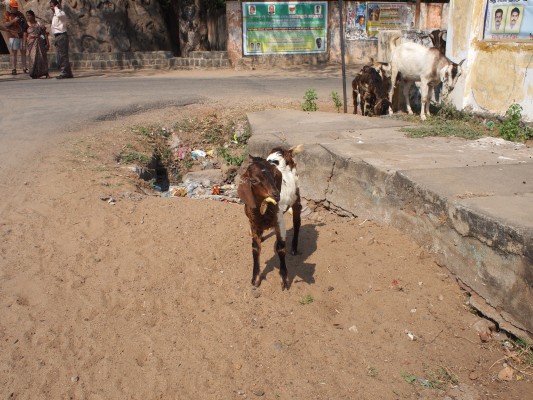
(192, 27)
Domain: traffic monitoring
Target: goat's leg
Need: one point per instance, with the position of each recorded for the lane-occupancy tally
(424, 88)
(296, 222)
(431, 90)
(394, 75)
(281, 249)
(406, 90)
(256, 252)
(354, 97)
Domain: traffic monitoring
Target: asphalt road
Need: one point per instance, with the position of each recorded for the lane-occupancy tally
(34, 111)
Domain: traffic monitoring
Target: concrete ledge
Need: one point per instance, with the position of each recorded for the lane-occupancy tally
(136, 60)
(469, 203)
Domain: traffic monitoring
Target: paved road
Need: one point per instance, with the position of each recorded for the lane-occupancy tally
(33, 111)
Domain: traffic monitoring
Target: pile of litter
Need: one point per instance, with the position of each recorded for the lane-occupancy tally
(192, 189)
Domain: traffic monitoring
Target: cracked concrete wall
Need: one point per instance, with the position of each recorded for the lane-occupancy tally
(496, 73)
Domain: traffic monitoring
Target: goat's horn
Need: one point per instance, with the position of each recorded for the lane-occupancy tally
(264, 204)
(270, 200)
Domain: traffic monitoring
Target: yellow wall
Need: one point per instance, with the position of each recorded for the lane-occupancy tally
(497, 74)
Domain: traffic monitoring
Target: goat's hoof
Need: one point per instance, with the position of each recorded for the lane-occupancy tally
(256, 281)
(423, 117)
(284, 284)
(295, 252)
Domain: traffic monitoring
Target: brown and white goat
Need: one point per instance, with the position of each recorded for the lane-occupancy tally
(417, 63)
(268, 189)
(438, 38)
(368, 90)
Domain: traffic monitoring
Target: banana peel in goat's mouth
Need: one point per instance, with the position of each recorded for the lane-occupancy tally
(264, 204)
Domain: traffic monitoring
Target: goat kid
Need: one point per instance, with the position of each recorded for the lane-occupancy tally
(368, 90)
(417, 63)
(268, 189)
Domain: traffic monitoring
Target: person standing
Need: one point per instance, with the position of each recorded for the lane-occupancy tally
(37, 47)
(16, 24)
(59, 30)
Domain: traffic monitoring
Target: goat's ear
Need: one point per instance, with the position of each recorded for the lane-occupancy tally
(296, 149)
(245, 192)
(461, 63)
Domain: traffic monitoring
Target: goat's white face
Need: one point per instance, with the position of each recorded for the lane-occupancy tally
(386, 70)
(450, 75)
(278, 160)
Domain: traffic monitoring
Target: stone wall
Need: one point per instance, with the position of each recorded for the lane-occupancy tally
(109, 26)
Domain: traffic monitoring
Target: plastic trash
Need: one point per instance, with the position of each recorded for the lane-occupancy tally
(198, 154)
(191, 186)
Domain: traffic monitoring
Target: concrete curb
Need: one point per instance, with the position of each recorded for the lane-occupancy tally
(469, 203)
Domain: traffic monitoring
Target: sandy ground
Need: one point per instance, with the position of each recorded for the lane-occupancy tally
(150, 298)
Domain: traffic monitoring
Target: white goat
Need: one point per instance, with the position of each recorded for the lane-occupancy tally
(417, 63)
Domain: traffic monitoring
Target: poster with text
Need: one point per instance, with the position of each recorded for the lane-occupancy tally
(356, 21)
(389, 16)
(509, 20)
(284, 28)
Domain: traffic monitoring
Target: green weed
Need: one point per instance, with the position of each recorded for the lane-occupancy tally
(525, 351)
(307, 300)
(448, 121)
(512, 128)
(337, 103)
(310, 99)
(442, 377)
(229, 158)
(134, 156)
(409, 378)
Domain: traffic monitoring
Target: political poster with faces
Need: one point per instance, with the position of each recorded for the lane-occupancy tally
(510, 20)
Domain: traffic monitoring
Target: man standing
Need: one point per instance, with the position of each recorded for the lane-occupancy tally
(16, 24)
(59, 30)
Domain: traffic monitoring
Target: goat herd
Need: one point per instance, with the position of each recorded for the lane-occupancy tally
(373, 86)
(269, 187)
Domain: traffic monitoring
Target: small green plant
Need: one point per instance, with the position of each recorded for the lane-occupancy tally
(229, 158)
(310, 99)
(372, 372)
(512, 127)
(134, 156)
(525, 350)
(409, 378)
(307, 300)
(441, 378)
(336, 100)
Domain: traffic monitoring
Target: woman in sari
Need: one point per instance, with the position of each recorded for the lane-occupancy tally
(37, 47)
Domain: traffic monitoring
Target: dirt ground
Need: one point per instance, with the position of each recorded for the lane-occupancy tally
(150, 297)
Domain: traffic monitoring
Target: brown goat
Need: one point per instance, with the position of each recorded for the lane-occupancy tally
(268, 189)
(260, 189)
(368, 91)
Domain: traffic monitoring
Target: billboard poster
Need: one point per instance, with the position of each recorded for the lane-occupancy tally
(356, 21)
(509, 19)
(389, 16)
(284, 28)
